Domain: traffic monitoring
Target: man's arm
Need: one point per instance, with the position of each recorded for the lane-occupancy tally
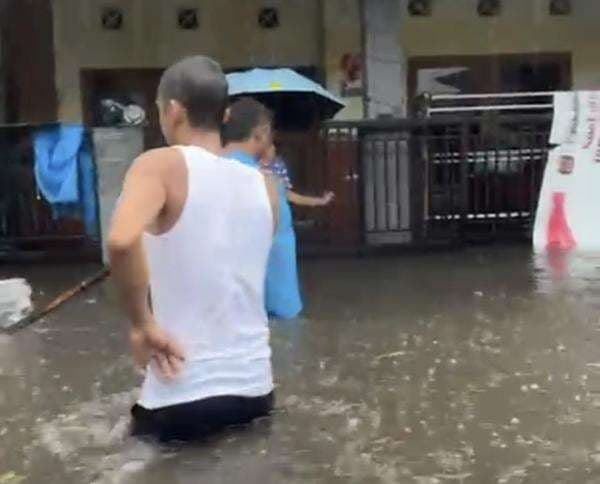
(308, 201)
(296, 198)
(143, 198)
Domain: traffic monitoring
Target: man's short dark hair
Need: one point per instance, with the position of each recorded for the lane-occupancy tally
(198, 83)
(245, 115)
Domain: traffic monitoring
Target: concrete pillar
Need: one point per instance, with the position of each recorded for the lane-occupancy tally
(114, 151)
(385, 62)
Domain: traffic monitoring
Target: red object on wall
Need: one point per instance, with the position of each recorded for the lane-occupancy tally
(559, 233)
(351, 68)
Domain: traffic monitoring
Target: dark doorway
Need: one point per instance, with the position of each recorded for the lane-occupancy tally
(489, 74)
(136, 86)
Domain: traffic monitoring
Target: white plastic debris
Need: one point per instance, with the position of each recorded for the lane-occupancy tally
(132, 467)
(390, 355)
(353, 423)
(15, 301)
(11, 478)
(515, 421)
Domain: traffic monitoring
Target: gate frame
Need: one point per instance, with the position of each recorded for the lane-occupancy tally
(531, 132)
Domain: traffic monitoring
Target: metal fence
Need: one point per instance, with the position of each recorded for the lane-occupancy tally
(29, 225)
(421, 178)
(386, 176)
(397, 182)
(483, 170)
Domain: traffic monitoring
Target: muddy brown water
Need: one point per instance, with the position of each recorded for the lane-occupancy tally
(474, 366)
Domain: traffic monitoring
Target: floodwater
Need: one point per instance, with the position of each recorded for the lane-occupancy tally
(474, 366)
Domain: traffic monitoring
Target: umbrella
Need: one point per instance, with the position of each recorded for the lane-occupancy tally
(272, 86)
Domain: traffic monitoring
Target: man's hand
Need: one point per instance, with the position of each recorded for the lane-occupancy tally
(327, 198)
(152, 344)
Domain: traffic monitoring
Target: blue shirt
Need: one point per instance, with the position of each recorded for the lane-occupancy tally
(282, 292)
(285, 211)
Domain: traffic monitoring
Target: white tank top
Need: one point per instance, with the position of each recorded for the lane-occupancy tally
(207, 277)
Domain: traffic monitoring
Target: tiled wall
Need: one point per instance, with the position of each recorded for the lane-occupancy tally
(228, 30)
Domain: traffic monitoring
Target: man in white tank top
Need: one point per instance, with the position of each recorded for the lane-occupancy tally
(194, 230)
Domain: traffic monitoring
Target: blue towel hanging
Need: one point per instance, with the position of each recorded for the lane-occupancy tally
(65, 173)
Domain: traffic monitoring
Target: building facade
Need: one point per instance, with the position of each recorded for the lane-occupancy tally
(60, 57)
(362, 50)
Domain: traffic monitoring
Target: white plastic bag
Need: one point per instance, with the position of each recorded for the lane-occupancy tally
(15, 301)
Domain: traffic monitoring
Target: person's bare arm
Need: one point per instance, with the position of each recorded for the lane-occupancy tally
(308, 201)
(273, 192)
(142, 200)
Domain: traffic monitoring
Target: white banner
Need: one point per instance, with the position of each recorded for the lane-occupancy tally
(568, 213)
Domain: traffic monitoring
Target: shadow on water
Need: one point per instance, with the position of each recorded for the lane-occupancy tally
(470, 367)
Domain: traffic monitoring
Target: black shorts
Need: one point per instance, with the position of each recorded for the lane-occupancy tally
(200, 418)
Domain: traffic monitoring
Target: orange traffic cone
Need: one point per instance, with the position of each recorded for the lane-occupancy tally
(559, 233)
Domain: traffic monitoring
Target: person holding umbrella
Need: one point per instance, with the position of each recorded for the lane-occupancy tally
(274, 164)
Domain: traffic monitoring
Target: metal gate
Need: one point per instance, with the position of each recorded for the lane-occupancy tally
(386, 187)
(421, 179)
(29, 226)
(483, 171)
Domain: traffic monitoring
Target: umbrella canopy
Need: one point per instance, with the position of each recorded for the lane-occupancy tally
(283, 83)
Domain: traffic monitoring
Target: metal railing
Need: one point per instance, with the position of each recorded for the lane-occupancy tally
(29, 225)
(397, 181)
(426, 177)
(484, 170)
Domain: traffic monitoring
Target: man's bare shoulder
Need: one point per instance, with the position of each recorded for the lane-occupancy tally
(158, 161)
